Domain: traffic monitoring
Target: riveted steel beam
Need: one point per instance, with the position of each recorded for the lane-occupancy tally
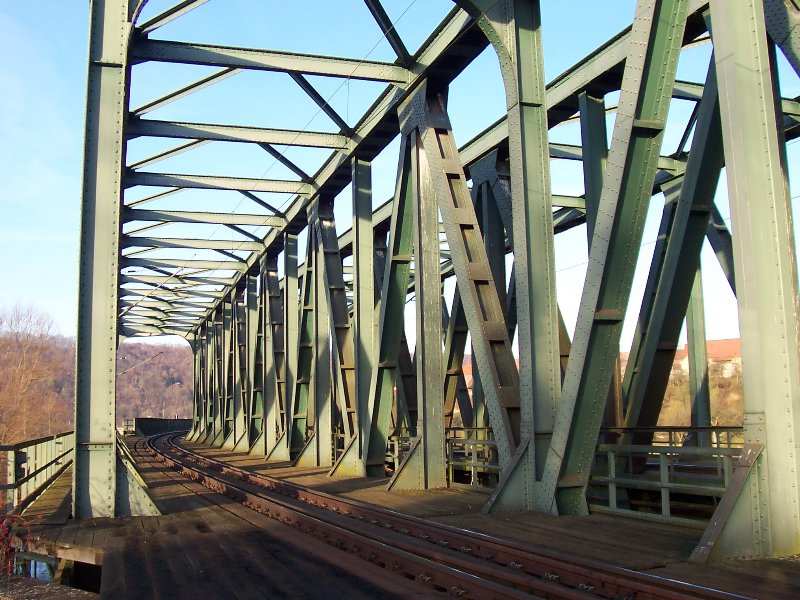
(169, 15)
(204, 265)
(672, 274)
(211, 182)
(235, 133)
(94, 479)
(153, 242)
(657, 33)
(185, 91)
(392, 306)
(766, 518)
(267, 60)
(389, 31)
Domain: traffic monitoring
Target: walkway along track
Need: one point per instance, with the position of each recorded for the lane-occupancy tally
(446, 559)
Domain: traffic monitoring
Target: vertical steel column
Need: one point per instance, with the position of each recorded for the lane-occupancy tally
(337, 315)
(363, 290)
(290, 329)
(655, 43)
(351, 461)
(247, 430)
(228, 347)
(394, 290)
(302, 410)
(256, 433)
(319, 451)
(594, 143)
(698, 362)
(94, 479)
(534, 256)
(196, 342)
(766, 519)
(425, 465)
(685, 223)
(514, 28)
(273, 353)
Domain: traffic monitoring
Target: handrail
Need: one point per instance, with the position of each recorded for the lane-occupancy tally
(31, 465)
(667, 480)
(33, 442)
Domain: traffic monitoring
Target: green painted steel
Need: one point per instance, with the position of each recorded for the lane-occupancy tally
(672, 274)
(302, 408)
(766, 520)
(698, 362)
(393, 300)
(649, 75)
(94, 481)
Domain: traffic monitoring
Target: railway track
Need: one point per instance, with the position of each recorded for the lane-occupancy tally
(446, 559)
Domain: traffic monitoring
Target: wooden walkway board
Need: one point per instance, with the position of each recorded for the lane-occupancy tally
(208, 546)
(54, 506)
(656, 548)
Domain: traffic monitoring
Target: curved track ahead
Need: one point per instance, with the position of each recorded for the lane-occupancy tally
(446, 559)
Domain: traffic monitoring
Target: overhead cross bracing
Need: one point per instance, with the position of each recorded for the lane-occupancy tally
(294, 285)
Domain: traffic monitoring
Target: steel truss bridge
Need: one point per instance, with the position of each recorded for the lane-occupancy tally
(301, 349)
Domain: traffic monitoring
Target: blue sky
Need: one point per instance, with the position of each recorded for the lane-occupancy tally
(42, 110)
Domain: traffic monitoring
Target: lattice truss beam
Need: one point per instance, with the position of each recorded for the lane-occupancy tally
(309, 356)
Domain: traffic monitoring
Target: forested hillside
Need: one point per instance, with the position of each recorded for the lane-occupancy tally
(154, 381)
(37, 378)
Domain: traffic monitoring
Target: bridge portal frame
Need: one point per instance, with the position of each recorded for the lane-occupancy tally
(546, 461)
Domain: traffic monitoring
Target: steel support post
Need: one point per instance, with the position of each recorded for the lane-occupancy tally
(273, 353)
(351, 461)
(441, 170)
(766, 518)
(514, 28)
(247, 427)
(394, 290)
(594, 144)
(425, 465)
(218, 388)
(319, 451)
(655, 43)
(228, 397)
(197, 387)
(363, 291)
(698, 362)
(290, 325)
(95, 476)
(256, 433)
(302, 410)
(337, 320)
(594, 147)
(685, 223)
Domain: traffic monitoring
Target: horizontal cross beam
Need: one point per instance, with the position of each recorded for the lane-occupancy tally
(212, 182)
(268, 60)
(235, 133)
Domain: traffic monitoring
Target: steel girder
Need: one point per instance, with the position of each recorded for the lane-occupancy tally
(766, 520)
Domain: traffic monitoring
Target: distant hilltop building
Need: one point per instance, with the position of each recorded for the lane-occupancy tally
(726, 353)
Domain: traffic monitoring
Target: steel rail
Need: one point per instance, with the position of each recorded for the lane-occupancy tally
(508, 560)
(360, 540)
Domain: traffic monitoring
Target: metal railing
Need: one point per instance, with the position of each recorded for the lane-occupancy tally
(31, 465)
(473, 451)
(713, 437)
(663, 470)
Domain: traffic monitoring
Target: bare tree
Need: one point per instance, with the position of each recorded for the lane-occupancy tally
(25, 338)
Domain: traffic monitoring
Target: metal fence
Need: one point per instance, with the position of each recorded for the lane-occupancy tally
(28, 467)
(674, 464)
